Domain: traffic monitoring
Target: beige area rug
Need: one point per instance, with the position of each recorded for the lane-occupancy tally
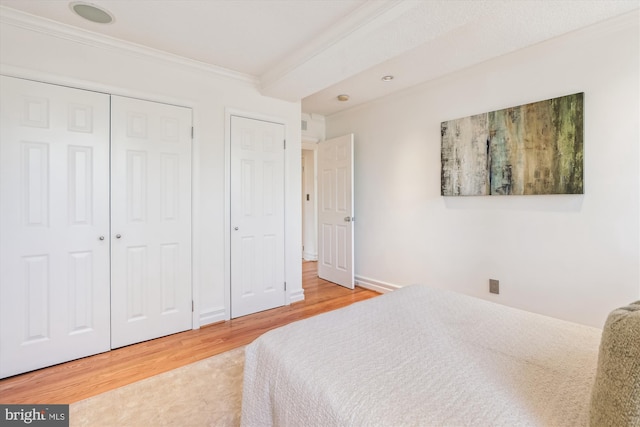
(204, 393)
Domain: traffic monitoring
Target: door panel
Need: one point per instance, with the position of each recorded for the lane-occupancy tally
(54, 193)
(151, 220)
(335, 216)
(257, 216)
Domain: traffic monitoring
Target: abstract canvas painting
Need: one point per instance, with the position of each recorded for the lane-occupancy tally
(534, 148)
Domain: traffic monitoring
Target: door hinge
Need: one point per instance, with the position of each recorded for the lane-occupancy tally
(192, 132)
(284, 144)
(192, 306)
(285, 286)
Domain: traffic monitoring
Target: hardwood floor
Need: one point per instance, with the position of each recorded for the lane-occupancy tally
(76, 380)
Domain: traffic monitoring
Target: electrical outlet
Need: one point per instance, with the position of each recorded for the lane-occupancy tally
(494, 286)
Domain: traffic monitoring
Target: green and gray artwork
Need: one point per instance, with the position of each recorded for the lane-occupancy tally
(535, 148)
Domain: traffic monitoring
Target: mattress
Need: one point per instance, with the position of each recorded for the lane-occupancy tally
(421, 356)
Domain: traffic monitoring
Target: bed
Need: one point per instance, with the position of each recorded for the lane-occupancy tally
(422, 356)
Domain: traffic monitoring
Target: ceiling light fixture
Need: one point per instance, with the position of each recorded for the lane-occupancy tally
(91, 12)
(343, 97)
(387, 78)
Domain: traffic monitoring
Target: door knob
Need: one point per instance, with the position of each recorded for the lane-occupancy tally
(347, 219)
(235, 228)
(101, 238)
(118, 236)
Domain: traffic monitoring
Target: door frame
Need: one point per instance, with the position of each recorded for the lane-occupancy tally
(43, 77)
(289, 295)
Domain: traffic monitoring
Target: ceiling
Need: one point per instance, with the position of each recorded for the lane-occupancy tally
(314, 50)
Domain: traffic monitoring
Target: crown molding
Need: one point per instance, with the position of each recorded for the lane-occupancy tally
(51, 28)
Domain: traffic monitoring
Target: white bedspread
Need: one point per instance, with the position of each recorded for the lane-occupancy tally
(421, 356)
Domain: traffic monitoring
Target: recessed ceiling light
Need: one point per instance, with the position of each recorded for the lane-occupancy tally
(91, 12)
(387, 78)
(343, 97)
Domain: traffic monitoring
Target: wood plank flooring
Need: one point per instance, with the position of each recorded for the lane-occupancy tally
(79, 379)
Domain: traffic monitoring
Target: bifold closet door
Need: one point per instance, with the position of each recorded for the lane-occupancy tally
(54, 224)
(150, 220)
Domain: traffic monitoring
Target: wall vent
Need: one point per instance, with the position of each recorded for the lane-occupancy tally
(304, 125)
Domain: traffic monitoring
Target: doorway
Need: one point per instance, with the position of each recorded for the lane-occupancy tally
(309, 203)
(327, 208)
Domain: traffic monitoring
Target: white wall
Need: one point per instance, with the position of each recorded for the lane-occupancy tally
(56, 55)
(574, 257)
(314, 133)
(309, 221)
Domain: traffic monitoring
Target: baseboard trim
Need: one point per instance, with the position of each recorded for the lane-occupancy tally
(308, 256)
(213, 316)
(295, 296)
(375, 285)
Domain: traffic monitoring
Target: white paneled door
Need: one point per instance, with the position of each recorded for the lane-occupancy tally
(335, 210)
(79, 276)
(54, 224)
(151, 220)
(257, 216)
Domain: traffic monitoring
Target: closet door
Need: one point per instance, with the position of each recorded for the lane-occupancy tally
(54, 224)
(150, 220)
(257, 216)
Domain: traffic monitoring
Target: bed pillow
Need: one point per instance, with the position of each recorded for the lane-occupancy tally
(615, 398)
